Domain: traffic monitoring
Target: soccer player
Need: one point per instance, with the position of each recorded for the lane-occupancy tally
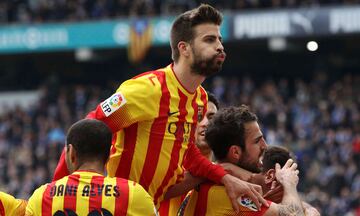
(9, 206)
(178, 192)
(87, 191)
(153, 116)
(234, 136)
(212, 108)
(266, 177)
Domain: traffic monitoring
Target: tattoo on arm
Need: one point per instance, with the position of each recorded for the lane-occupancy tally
(291, 210)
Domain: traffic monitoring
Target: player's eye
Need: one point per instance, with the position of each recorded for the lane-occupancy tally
(210, 116)
(209, 39)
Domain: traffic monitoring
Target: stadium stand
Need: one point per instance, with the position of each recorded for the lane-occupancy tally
(34, 11)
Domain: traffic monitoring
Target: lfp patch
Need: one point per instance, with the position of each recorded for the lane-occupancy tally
(113, 103)
(247, 202)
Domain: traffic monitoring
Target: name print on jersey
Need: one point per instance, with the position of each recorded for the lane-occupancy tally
(87, 191)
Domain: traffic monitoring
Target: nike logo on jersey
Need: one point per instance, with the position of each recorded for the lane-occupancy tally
(172, 113)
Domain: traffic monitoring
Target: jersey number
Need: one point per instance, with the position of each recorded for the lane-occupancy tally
(67, 212)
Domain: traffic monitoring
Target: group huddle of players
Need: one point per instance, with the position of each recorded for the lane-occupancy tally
(159, 137)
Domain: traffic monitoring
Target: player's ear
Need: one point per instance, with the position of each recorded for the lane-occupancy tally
(66, 148)
(184, 48)
(270, 176)
(72, 153)
(235, 153)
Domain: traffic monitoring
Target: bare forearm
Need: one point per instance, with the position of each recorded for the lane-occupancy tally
(310, 210)
(237, 171)
(291, 204)
(290, 210)
(243, 174)
(288, 177)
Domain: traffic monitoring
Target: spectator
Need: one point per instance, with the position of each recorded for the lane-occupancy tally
(31, 11)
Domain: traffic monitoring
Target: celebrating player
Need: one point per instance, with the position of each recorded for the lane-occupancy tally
(212, 108)
(242, 144)
(178, 192)
(87, 191)
(154, 115)
(266, 177)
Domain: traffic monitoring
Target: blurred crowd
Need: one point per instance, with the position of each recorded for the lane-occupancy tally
(31, 140)
(35, 11)
(318, 120)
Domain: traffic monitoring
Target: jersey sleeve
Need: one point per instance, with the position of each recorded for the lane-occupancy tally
(33, 207)
(198, 165)
(20, 207)
(7, 202)
(215, 200)
(11, 205)
(141, 202)
(135, 100)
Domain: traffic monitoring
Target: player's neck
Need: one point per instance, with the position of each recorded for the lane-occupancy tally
(189, 80)
(92, 166)
(206, 152)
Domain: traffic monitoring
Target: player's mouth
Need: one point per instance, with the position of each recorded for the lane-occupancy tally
(260, 162)
(221, 56)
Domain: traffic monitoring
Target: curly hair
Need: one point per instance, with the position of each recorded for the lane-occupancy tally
(212, 98)
(227, 128)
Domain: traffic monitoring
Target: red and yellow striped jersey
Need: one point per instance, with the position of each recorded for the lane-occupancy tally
(9, 206)
(89, 193)
(154, 118)
(212, 200)
(170, 207)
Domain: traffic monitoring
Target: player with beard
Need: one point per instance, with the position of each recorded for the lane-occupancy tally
(235, 137)
(190, 182)
(267, 176)
(153, 116)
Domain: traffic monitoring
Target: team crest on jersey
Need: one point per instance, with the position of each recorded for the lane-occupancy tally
(113, 103)
(247, 202)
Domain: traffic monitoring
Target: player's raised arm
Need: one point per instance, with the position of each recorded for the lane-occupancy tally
(291, 203)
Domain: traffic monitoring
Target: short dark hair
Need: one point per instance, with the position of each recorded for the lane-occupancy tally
(227, 128)
(273, 155)
(182, 28)
(212, 98)
(91, 139)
